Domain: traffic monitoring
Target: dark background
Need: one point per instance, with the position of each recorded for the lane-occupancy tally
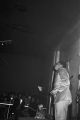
(35, 28)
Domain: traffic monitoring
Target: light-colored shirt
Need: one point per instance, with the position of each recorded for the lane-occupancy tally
(61, 89)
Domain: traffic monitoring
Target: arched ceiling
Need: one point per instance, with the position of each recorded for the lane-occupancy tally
(36, 27)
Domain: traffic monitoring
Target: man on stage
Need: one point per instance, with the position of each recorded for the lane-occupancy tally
(61, 92)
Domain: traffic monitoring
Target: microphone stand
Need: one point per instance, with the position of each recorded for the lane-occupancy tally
(9, 109)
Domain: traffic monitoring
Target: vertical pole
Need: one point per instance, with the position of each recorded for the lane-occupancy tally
(58, 56)
(55, 60)
(79, 48)
(79, 65)
(50, 98)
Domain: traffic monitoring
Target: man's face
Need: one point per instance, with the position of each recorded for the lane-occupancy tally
(58, 66)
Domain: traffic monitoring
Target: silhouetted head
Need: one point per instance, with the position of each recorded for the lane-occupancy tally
(59, 65)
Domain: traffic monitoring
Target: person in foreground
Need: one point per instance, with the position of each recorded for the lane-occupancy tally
(61, 92)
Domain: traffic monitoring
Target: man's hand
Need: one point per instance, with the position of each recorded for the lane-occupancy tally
(40, 88)
(53, 92)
